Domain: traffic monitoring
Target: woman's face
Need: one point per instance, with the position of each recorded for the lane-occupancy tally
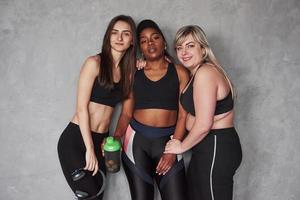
(190, 53)
(152, 44)
(121, 36)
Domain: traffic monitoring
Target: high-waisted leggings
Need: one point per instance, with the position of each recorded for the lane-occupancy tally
(213, 163)
(143, 147)
(71, 152)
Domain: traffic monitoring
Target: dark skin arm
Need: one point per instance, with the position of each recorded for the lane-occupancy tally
(167, 160)
(124, 119)
(125, 116)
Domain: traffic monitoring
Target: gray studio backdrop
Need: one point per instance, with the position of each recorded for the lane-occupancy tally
(44, 42)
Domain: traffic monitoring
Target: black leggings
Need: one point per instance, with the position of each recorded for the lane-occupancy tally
(140, 157)
(71, 152)
(213, 164)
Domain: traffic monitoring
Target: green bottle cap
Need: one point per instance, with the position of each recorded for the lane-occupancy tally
(111, 144)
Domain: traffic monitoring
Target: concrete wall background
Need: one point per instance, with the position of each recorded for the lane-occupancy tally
(43, 44)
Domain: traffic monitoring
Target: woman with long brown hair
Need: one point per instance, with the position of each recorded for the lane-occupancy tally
(105, 80)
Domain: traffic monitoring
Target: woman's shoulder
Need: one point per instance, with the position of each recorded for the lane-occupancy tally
(182, 74)
(93, 60)
(181, 70)
(91, 64)
(207, 72)
(208, 69)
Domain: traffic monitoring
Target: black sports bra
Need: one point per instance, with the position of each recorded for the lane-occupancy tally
(161, 94)
(102, 95)
(187, 101)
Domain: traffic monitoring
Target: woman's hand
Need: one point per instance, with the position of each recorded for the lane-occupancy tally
(140, 64)
(174, 146)
(165, 163)
(91, 161)
(102, 147)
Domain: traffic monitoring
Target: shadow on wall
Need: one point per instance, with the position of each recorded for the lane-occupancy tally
(233, 60)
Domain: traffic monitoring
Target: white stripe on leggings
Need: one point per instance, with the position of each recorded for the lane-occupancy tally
(212, 166)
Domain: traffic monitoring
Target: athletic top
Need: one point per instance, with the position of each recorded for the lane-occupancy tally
(187, 101)
(102, 95)
(161, 94)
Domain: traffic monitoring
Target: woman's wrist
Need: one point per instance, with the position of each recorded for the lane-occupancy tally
(90, 148)
(184, 148)
(118, 135)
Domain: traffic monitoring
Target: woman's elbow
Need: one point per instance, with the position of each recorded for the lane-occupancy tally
(182, 115)
(127, 116)
(204, 127)
(80, 111)
(126, 112)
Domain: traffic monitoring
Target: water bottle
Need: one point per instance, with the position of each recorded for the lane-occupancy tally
(112, 154)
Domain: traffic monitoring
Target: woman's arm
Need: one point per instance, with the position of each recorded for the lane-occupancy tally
(205, 97)
(167, 159)
(181, 118)
(125, 116)
(88, 73)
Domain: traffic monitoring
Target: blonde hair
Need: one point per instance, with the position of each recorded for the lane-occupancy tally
(199, 36)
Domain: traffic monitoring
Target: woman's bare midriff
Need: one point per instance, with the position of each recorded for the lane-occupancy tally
(156, 117)
(224, 120)
(99, 116)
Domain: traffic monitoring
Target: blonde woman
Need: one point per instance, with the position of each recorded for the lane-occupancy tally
(208, 99)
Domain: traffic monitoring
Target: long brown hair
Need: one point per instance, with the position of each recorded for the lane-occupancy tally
(127, 62)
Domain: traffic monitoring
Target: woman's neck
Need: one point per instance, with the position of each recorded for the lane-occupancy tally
(117, 56)
(156, 64)
(194, 69)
